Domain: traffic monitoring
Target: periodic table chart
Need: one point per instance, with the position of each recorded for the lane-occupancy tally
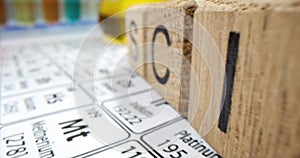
(53, 106)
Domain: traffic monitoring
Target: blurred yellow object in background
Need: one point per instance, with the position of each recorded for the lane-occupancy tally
(24, 11)
(114, 27)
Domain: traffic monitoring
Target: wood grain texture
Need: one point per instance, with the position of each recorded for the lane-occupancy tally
(264, 112)
(168, 53)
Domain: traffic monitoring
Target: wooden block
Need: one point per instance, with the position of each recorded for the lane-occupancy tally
(258, 45)
(135, 30)
(168, 50)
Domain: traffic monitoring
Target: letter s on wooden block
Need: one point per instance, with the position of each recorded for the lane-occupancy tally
(168, 50)
(135, 30)
(256, 101)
